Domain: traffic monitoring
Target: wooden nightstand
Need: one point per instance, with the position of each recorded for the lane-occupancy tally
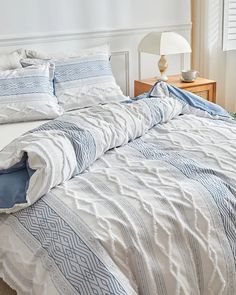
(201, 86)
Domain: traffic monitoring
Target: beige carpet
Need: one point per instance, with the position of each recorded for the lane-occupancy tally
(5, 289)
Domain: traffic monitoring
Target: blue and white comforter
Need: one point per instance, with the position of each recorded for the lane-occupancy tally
(138, 198)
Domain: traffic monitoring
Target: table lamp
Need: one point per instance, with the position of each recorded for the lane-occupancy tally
(164, 43)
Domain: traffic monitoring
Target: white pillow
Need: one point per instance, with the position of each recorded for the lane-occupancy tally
(84, 80)
(66, 54)
(10, 61)
(26, 94)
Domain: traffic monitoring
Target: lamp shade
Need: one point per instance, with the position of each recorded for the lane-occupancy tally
(164, 43)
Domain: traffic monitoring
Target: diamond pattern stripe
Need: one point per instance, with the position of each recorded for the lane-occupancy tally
(82, 141)
(82, 70)
(25, 85)
(220, 191)
(79, 265)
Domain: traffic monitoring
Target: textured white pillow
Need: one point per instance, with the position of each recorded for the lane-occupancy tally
(84, 80)
(26, 94)
(10, 61)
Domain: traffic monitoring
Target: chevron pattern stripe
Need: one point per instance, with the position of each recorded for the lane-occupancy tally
(82, 141)
(79, 265)
(210, 179)
(82, 70)
(25, 85)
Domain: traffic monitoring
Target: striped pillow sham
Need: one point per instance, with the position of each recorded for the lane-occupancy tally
(84, 80)
(27, 94)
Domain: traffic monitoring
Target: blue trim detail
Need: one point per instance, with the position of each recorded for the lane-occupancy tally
(75, 260)
(222, 193)
(14, 183)
(191, 99)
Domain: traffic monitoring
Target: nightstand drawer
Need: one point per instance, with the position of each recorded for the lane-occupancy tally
(206, 91)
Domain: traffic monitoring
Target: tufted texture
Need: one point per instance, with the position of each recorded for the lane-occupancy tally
(82, 79)
(27, 95)
(152, 209)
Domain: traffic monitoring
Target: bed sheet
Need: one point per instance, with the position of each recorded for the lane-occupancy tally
(8, 132)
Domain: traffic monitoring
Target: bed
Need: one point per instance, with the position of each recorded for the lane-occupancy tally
(131, 197)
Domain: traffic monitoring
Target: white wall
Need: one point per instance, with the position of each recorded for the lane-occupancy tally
(37, 16)
(54, 25)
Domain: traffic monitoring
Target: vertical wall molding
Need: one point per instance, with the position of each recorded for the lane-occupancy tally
(126, 65)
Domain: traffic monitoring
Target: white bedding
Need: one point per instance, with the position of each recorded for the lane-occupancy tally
(27, 94)
(8, 132)
(154, 215)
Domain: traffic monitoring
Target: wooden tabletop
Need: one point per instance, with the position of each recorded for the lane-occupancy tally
(176, 81)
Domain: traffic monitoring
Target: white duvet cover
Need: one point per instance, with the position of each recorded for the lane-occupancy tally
(153, 215)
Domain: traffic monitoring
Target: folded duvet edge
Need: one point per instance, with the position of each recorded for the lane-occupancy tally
(38, 172)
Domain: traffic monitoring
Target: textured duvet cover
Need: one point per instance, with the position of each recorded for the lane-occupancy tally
(132, 198)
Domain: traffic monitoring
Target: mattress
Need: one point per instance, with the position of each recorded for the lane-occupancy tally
(9, 132)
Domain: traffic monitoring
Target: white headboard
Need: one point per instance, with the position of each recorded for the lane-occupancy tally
(123, 44)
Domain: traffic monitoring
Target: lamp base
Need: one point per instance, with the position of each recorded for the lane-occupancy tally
(163, 65)
(163, 77)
